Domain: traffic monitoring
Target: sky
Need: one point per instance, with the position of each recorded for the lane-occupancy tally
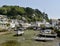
(51, 7)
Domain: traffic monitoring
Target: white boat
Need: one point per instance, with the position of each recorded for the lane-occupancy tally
(46, 33)
(43, 38)
(19, 31)
(46, 37)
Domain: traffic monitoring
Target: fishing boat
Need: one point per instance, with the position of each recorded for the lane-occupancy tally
(46, 34)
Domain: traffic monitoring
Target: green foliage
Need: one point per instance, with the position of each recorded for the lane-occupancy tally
(21, 11)
(11, 43)
(29, 11)
(3, 11)
(16, 12)
(45, 16)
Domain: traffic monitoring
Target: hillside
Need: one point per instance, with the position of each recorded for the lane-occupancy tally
(28, 14)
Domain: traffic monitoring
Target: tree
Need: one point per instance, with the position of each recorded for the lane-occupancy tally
(45, 17)
(17, 12)
(3, 11)
(29, 11)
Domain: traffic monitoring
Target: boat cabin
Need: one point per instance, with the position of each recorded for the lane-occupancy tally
(47, 30)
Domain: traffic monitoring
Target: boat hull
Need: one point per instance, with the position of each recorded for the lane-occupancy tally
(44, 38)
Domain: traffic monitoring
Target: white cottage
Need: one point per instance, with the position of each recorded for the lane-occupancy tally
(13, 23)
(54, 22)
(25, 25)
(4, 22)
